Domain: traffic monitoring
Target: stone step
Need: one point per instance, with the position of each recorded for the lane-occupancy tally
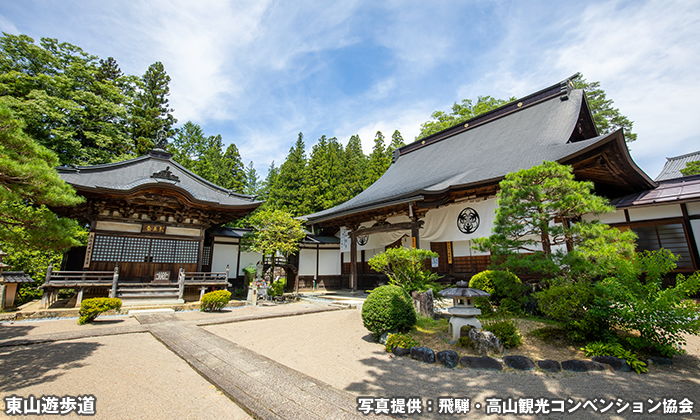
(150, 302)
(146, 295)
(148, 290)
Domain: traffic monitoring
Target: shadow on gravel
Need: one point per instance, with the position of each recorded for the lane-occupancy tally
(24, 366)
(14, 331)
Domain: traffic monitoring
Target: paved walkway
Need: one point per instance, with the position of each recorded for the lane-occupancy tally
(261, 386)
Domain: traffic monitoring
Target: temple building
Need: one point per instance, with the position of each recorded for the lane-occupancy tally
(148, 219)
(439, 192)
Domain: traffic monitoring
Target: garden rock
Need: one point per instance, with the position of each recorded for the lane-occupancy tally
(660, 361)
(425, 354)
(485, 341)
(400, 351)
(483, 362)
(582, 366)
(449, 358)
(519, 362)
(617, 364)
(549, 365)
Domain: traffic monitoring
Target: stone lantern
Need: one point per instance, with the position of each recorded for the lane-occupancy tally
(463, 310)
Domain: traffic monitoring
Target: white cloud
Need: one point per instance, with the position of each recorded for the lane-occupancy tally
(7, 26)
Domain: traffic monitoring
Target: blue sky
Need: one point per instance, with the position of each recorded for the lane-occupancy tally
(259, 72)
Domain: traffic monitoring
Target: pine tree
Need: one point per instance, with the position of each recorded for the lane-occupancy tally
(355, 164)
(150, 111)
(288, 193)
(379, 160)
(607, 118)
(268, 183)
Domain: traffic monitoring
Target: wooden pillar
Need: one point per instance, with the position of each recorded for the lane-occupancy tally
(690, 237)
(353, 261)
(3, 294)
(115, 282)
(201, 292)
(47, 288)
(415, 240)
(200, 253)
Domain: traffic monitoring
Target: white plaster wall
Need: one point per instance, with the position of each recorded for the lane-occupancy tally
(307, 262)
(655, 212)
(616, 217)
(693, 208)
(465, 249)
(329, 262)
(224, 254)
(248, 258)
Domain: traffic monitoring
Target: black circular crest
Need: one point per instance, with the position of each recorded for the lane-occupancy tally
(362, 240)
(468, 220)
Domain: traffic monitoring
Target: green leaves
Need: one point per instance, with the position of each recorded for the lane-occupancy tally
(28, 184)
(691, 168)
(606, 117)
(274, 231)
(406, 268)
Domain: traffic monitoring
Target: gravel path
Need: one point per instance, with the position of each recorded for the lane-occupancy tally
(335, 347)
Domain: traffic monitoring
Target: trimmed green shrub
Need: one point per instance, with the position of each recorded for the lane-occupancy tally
(506, 329)
(388, 308)
(510, 306)
(501, 284)
(91, 308)
(615, 349)
(400, 340)
(214, 301)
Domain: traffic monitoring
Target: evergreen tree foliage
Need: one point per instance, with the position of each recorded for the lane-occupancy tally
(606, 117)
(150, 111)
(325, 175)
(379, 160)
(268, 183)
(234, 177)
(355, 163)
(29, 184)
(396, 142)
(460, 112)
(252, 180)
(288, 193)
(70, 102)
(691, 168)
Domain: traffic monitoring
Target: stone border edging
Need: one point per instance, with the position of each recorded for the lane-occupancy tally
(516, 362)
(73, 335)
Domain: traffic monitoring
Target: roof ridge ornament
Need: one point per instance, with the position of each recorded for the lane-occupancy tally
(160, 146)
(165, 174)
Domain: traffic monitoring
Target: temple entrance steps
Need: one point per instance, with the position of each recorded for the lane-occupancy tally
(151, 294)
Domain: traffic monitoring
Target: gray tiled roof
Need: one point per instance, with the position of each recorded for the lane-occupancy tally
(673, 166)
(123, 177)
(478, 155)
(15, 277)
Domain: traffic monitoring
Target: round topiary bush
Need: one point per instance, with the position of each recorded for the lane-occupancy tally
(388, 308)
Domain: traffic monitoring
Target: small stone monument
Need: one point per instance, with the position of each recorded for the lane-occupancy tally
(463, 310)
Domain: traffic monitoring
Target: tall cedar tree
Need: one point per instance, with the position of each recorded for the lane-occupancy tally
(71, 103)
(355, 163)
(325, 175)
(270, 180)
(379, 160)
(606, 117)
(29, 184)
(252, 180)
(288, 193)
(235, 178)
(150, 112)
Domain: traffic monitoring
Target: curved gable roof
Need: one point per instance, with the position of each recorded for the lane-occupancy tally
(547, 129)
(152, 170)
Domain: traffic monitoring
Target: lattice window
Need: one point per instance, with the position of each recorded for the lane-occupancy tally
(107, 248)
(163, 250)
(206, 254)
(135, 250)
(188, 250)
